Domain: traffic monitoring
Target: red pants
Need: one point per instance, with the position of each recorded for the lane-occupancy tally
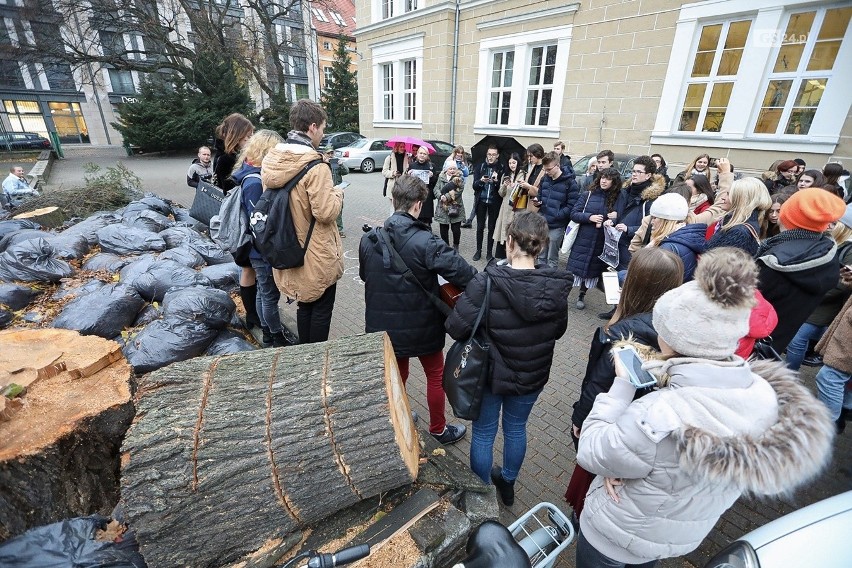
(433, 366)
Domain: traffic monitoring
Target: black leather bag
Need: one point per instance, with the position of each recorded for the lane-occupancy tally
(468, 366)
(207, 202)
(763, 349)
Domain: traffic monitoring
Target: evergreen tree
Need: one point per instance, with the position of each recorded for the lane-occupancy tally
(276, 116)
(340, 96)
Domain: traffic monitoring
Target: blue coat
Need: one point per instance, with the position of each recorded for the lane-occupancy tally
(687, 242)
(588, 246)
(252, 190)
(631, 207)
(558, 197)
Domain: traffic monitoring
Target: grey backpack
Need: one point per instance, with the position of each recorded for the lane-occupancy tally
(230, 228)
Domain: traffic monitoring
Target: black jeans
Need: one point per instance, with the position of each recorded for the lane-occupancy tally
(313, 319)
(445, 232)
(482, 210)
(589, 557)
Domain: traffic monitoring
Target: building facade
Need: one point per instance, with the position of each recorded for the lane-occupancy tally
(751, 80)
(331, 20)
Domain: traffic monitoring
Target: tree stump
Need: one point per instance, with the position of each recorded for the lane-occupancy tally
(59, 450)
(228, 453)
(50, 217)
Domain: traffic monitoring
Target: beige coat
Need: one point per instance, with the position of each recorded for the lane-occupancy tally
(836, 344)
(313, 198)
(389, 168)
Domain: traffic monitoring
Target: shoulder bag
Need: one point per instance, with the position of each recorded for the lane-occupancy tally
(468, 366)
(571, 230)
(208, 200)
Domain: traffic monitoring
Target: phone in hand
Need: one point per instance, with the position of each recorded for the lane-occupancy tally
(343, 185)
(639, 377)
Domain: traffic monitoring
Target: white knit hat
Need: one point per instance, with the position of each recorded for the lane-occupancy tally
(670, 206)
(707, 317)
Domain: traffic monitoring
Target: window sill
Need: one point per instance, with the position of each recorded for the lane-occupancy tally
(398, 124)
(508, 130)
(823, 145)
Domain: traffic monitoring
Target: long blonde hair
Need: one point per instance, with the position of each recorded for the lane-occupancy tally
(256, 148)
(662, 229)
(747, 195)
(841, 233)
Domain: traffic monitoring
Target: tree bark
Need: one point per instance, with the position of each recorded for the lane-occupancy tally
(59, 452)
(229, 452)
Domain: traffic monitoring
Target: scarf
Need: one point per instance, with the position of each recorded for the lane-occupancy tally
(784, 236)
(299, 137)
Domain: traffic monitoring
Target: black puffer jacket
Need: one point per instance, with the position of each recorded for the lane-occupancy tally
(394, 304)
(526, 315)
(600, 370)
(223, 165)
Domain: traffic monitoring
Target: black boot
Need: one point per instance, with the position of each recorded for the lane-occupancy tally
(248, 294)
(477, 255)
(278, 340)
(505, 489)
(267, 337)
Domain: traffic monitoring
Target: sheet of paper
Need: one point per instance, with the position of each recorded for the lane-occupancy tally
(611, 288)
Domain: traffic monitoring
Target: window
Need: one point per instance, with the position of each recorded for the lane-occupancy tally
(69, 122)
(540, 86)
(410, 5)
(410, 88)
(397, 68)
(387, 91)
(502, 68)
(121, 81)
(326, 71)
(326, 45)
(301, 91)
(300, 66)
(336, 17)
(387, 9)
(59, 76)
(319, 14)
(10, 74)
(25, 116)
(378, 145)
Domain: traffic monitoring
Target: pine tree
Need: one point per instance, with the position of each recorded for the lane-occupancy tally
(340, 96)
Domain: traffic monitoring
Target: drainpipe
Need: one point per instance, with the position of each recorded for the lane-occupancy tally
(455, 73)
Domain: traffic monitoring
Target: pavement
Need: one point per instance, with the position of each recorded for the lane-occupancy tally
(550, 455)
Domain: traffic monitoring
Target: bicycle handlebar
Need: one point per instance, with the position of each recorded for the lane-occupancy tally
(339, 558)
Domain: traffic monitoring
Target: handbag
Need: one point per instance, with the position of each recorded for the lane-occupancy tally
(468, 366)
(453, 209)
(571, 231)
(208, 200)
(763, 349)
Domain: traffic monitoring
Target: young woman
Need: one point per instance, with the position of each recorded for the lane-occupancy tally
(231, 136)
(651, 273)
(527, 313)
(449, 213)
(514, 199)
(770, 226)
(535, 172)
(670, 231)
(784, 175)
(702, 196)
(593, 207)
(699, 166)
(670, 463)
(810, 178)
(740, 227)
(422, 163)
(662, 167)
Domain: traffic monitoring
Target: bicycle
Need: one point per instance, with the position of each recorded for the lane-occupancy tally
(342, 557)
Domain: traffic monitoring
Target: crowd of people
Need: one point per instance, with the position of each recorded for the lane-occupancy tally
(717, 271)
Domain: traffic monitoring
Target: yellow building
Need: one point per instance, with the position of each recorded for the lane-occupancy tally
(330, 20)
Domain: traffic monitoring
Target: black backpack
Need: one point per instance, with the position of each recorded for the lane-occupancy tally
(273, 229)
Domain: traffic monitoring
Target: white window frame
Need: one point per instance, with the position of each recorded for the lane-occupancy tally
(386, 9)
(387, 90)
(326, 73)
(769, 23)
(409, 90)
(319, 14)
(396, 54)
(522, 44)
(338, 19)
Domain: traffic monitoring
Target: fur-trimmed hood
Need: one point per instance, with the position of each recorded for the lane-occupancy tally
(653, 191)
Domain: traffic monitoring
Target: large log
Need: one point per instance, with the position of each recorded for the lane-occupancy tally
(228, 453)
(50, 217)
(59, 451)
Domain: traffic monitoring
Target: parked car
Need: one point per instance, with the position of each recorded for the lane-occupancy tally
(339, 139)
(24, 141)
(364, 154)
(817, 535)
(623, 163)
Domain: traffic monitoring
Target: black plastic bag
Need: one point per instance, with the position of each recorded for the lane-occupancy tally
(181, 214)
(200, 304)
(183, 255)
(77, 290)
(148, 314)
(71, 543)
(16, 296)
(228, 342)
(166, 341)
(15, 237)
(176, 236)
(6, 318)
(210, 251)
(12, 225)
(136, 267)
(223, 276)
(148, 220)
(69, 246)
(104, 312)
(89, 226)
(150, 202)
(163, 275)
(122, 239)
(107, 261)
(33, 261)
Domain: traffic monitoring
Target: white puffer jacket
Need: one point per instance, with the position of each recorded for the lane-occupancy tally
(686, 453)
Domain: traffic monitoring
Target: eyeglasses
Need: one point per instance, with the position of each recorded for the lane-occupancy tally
(638, 172)
(490, 155)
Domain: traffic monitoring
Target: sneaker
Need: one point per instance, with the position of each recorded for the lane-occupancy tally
(581, 305)
(452, 433)
(505, 489)
(278, 340)
(812, 361)
(267, 337)
(342, 235)
(607, 315)
(477, 255)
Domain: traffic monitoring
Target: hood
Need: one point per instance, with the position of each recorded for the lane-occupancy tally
(284, 161)
(639, 327)
(655, 188)
(791, 451)
(763, 318)
(239, 175)
(798, 260)
(690, 236)
(534, 294)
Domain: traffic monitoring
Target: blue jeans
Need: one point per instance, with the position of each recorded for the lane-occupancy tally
(516, 411)
(831, 390)
(798, 346)
(589, 557)
(267, 296)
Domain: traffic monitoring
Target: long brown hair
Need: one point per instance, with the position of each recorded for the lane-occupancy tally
(233, 130)
(651, 273)
(691, 165)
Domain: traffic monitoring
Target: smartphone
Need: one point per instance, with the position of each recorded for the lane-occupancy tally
(639, 377)
(343, 185)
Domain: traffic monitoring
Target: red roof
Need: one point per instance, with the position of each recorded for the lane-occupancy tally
(327, 16)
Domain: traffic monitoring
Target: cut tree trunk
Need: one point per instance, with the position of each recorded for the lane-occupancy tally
(50, 217)
(59, 451)
(228, 453)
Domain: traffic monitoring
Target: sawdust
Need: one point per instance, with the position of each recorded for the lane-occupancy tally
(398, 552)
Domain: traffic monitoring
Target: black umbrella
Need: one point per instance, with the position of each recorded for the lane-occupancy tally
(505, 144)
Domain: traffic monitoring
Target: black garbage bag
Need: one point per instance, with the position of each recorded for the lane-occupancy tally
(104, 312)
(33, 261)
(150, 202)
(183, 255)
(12, 225)
(224, 276)
(15, 237)
(89, 226)
(210, 251)
(16, 296)
(6, 318)
(228, 342)
(136, 267)
(163, 275)
(148, 314)
(166, 341)
(107, 261)
(208, 305)
(69, 247)
(148, 220)
(181, 214)
(122, 239)
(71, 543)
(76, 289)
(177, 235)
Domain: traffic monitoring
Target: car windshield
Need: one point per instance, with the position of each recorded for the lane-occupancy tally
(360, 143)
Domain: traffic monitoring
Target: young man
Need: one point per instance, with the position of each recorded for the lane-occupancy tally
(559, 149)
(400, 307)
(604, 159)
(487, 200)
(314, 284)
(201, 168)
(338, 170)
(557, 194)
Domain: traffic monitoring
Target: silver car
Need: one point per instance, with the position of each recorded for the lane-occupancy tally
(364, 154)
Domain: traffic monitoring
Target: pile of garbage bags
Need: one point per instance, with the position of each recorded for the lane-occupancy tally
(146, 276)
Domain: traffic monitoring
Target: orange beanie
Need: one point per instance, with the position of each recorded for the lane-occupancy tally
(811, 209)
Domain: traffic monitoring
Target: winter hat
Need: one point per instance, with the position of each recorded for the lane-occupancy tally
(812, 209)
(670, 206)
(708, 316)
(846, 219)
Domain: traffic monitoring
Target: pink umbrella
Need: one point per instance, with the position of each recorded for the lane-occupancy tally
(409, 141)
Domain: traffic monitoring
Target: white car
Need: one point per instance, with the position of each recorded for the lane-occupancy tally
(365, 154)
(816, 536)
